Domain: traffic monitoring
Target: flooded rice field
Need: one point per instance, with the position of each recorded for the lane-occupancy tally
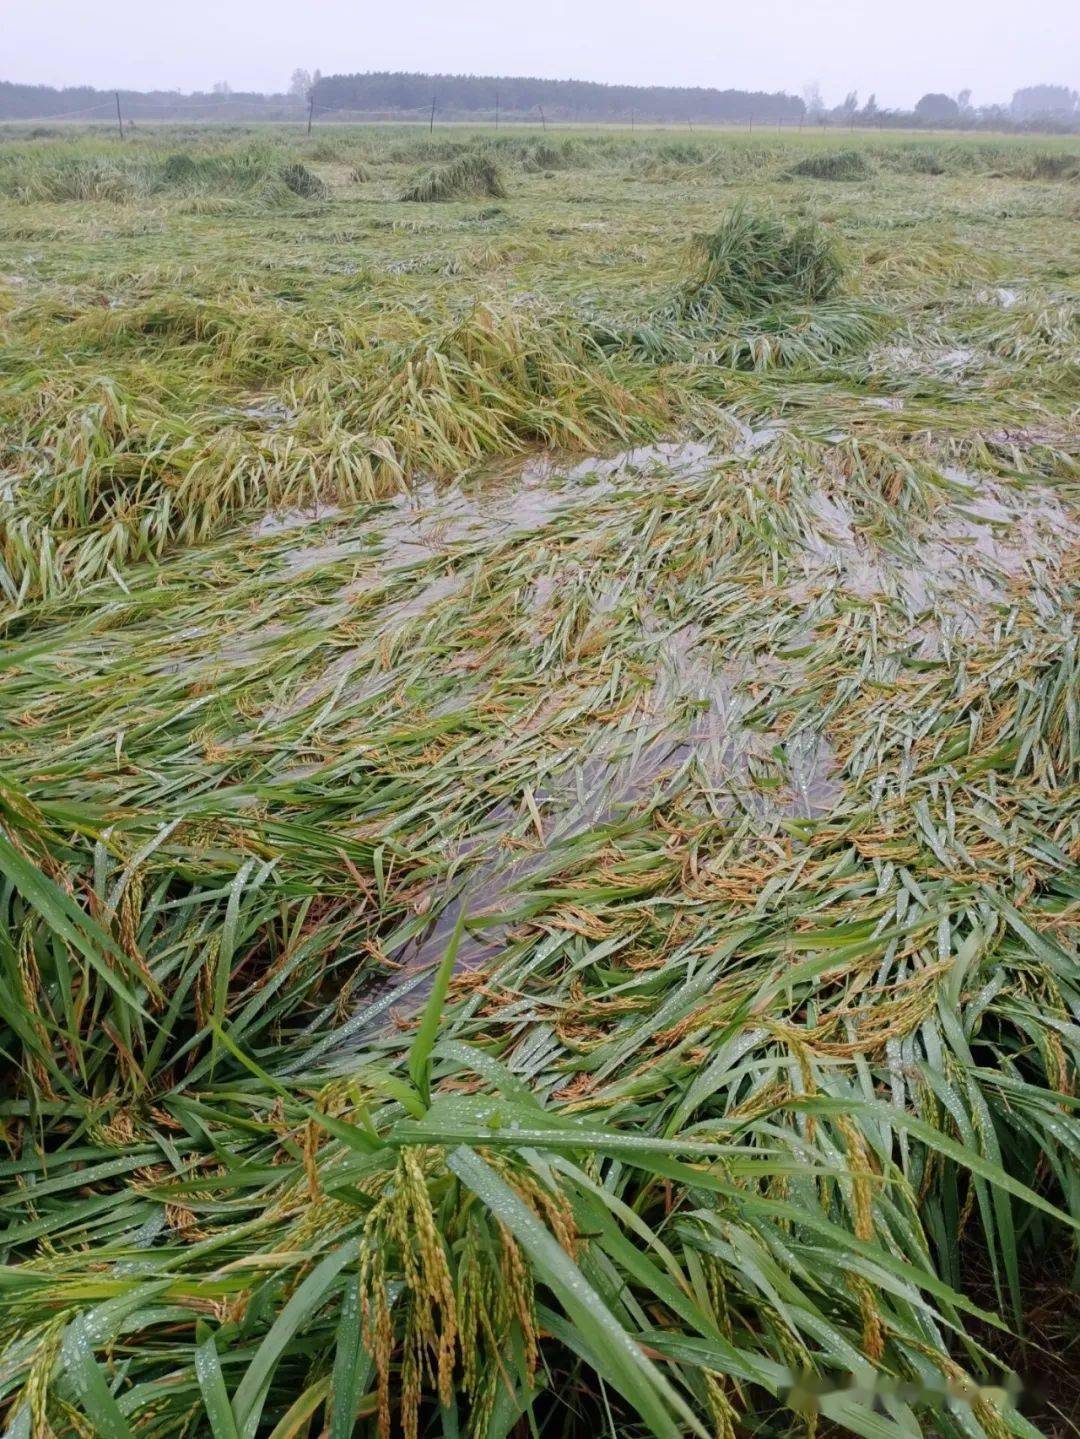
(539, 755)
(496, 611)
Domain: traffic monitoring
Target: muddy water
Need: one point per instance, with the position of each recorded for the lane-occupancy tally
(833, 555)
(494, 897)
(726, 749)
(423, 599)
(430, 521)
(279, 521)
(678, 457)
(1009, 529)
(1003, 296)
(930, 359)
(984, 537)
(271, 413)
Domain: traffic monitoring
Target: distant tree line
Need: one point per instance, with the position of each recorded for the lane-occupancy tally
(1038, 107)
(583, 100)
(1036, 101)
(83, 102)
(405, 96)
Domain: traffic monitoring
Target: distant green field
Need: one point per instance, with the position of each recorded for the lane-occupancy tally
(539, 756)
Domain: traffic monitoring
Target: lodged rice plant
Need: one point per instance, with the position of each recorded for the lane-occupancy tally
(143, 177)
(839, 165)
(486, 384)
(755, 260)
(538, 842)
(470, 176)
(301, 181)
(786, 1096)
(545, 157)
(78, 180)
(762, 296)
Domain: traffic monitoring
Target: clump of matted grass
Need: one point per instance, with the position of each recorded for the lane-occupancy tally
(1050, 165)
(469, 177)
(303, 182)
(754, 260)
(80, 179)
(243, 173)
(837, 165)
(324, 151)
(543, 157)
(492, 380)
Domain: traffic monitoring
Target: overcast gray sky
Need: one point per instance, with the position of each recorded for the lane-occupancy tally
(897, 50)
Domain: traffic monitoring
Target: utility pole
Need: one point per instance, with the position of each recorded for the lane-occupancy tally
(431, 122)
(542, 120)
(631, 119)
(119, 121)
(496, 109)
(751, 129)
(310, 108)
